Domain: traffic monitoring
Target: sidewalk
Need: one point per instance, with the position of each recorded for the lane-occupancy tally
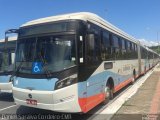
(145, 104)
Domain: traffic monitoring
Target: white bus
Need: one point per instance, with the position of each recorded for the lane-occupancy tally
(73, 62)
(7, 56)
(149, 59)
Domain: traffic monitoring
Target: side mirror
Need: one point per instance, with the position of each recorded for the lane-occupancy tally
(108, 65)
(10, 31)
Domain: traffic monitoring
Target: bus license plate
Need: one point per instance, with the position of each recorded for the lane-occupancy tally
(31, 102)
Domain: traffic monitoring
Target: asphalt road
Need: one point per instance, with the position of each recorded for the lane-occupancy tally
(6, 100)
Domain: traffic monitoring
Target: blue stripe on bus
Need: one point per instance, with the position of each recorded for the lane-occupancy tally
(35, 84)
(4, 78)
(97, 81)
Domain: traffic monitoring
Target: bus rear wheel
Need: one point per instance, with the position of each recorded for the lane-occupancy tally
(111, 94)
(134, 77)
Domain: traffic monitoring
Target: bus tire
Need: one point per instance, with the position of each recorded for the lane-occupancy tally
(134, 77)
(107, 97)
(111, 94)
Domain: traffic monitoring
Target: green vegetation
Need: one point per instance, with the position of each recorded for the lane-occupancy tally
(156, 48)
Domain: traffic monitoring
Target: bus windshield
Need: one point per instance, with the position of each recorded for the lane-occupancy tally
(53, 53)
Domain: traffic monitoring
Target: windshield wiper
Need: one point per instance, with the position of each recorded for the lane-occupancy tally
(16, 71)
(47, 72)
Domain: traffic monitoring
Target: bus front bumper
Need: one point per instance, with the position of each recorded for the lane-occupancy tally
(62, 100)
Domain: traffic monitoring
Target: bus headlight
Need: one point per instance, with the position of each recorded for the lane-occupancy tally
(65, 82)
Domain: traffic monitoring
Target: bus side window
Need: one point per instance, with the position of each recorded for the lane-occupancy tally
(128, 50)
(135, 51)
(129, 46)
(106, 45)
(93, 44)
(93, 48)
(123, 48)
(1, 61)
(120, 57)
(115, 46)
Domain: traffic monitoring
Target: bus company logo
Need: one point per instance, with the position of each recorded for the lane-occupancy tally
(29, 95)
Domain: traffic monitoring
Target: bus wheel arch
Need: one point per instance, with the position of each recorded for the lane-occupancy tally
(110, 85)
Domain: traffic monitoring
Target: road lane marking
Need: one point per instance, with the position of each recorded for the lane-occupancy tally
(7, 108)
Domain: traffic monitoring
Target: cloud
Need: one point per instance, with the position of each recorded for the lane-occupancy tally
(148, 43)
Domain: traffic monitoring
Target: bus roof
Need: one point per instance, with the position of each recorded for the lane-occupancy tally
(85, 16)
(9, 39)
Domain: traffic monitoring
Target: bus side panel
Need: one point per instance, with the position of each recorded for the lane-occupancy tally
(82, 95)
(91, 91)
(124, 72)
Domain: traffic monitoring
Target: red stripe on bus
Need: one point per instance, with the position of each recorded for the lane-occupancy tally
(88, 103)
(122, 84)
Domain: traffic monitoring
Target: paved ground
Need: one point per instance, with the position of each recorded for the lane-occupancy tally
(145, 104)
(6, 100)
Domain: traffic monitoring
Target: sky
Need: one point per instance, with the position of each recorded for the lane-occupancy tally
(139, 18)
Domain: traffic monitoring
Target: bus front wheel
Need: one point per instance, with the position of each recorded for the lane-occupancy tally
(111, 94)
(107, 96)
